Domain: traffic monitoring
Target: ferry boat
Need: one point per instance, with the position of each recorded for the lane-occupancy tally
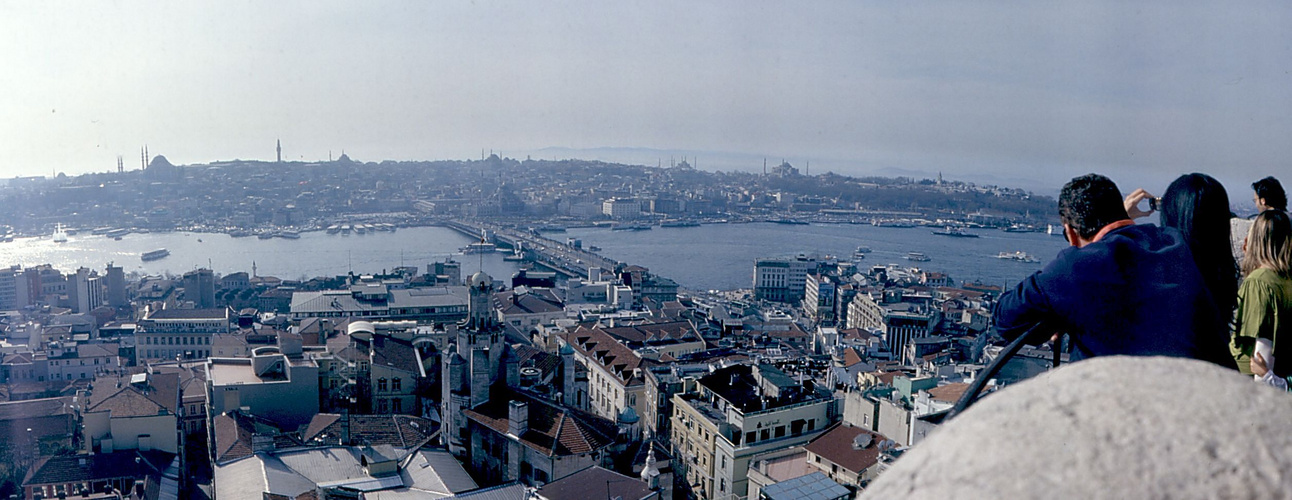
(678, 223)
(792, 222)
(1018, 257)
(955, 232)
(60, 236)
(291, 235)
(1053, 230)
(266, 235)
(1017, 228)
(155, 254)
(594, 248)
(862, 249)
(345, 230)
(333, 229)
(116, 233)
(905, 224)
(631, 227)
(479, 247)
(917, 257)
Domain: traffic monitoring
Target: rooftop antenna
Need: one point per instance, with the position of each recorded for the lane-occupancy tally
(807, 169)
(120, 166)
(253, 269)
(764, 165)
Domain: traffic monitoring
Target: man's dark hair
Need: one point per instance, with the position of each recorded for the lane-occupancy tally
(1090, 202)
(1272, 192)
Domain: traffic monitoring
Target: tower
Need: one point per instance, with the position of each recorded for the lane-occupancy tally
(280, 151)
(474, 362)
(120, 166)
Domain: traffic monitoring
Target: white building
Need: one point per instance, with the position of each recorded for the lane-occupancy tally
(622, 208)
(270, 384)
(166, 334)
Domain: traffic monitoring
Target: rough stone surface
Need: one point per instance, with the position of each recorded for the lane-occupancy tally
(1115, 427)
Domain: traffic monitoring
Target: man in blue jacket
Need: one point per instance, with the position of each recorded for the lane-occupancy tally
(1121, 288)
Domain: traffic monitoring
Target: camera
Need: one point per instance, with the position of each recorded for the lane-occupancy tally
(1154, 203)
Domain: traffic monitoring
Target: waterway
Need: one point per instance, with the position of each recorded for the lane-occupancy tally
(313, 254)
(721, 256)
(709, 257)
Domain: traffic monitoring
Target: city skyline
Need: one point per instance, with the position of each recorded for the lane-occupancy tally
(1141, 92)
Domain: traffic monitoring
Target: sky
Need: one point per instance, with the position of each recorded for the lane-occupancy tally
(1026, 94)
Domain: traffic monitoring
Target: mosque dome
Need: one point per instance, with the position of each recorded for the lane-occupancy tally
(480, 278)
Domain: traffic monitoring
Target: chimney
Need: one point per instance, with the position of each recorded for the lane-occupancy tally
(517, 418)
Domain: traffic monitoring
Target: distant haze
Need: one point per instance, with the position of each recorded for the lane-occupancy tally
(1024, 93)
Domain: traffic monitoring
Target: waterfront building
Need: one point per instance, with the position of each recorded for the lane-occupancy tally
(377, 301)
(165, 334)
(737, 412)
(622, 208)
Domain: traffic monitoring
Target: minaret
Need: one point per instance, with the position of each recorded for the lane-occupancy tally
(120, 166)
(280, 151)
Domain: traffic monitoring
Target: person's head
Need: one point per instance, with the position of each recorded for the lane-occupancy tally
(1090, 202)
(1269, 243)
(1269, 195)
(1198, 206)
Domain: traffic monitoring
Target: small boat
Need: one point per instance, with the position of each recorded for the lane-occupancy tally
(1017, 228)
(904, 224)
(266, 235)
(917, 257)
(345, 230)
(678, 223)
(594, 248)
(291, 235)
(955, 232)
(333, 229)
(862, 249)
(1053, 230)
(155, 254)
(792, 222)
(60, 236)
(1018, 257)
(631, 227)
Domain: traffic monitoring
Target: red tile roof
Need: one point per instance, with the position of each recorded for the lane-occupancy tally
(553, 430)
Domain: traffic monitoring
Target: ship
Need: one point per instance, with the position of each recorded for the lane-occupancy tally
(291, 235)
(631, 227)
(333, 229)
(1018, 257)
(60, 236)
(479, 247)
(792, 222)
(1017, 228)
(863, 249)
(1052, 230)
(155, 255)
(116, 233)
(679, 223)
(955, 232)
(892, 223)
(917, 257)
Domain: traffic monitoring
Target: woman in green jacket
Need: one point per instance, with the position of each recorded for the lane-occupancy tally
(1265, 298)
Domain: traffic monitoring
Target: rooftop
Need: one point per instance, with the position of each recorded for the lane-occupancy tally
(814, 486)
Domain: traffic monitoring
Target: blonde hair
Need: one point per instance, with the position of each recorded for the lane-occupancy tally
(1269, 244)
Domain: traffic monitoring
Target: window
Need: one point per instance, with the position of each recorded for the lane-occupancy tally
(396, 384)
(381, 385)
(397, 405)
(749, 437)
(764, 435)
(780, 431)
(381, 406)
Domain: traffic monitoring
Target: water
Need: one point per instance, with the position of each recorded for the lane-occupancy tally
(314, 254)
(713, 256)
(721, 256)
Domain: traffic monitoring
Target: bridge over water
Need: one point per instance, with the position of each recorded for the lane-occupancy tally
(553, 254)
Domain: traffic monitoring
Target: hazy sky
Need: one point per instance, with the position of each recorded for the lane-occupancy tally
(1030, 92)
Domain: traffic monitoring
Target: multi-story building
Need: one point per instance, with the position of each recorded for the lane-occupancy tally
(395, 369)
(783, 280)
(139, 412)
(899, 318)
(377, 301)
(199, 288)
(86, 291)
(622, 208)
(167, 334)
(615, 382)
(818, 299)
(271, 384)
(79, 362)
(734, 413)
(524, 309)
(13, 289)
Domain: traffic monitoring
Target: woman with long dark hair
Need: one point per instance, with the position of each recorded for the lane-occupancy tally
(1198, 206)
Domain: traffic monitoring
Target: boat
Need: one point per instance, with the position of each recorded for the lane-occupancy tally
(1017, 228)
(266, 235)
(239, 233)
(594, 248)
(955, 232)
(792, 222)
(892, 223)
(60, 236)
(1054, 231)
(291, 235)
(549, 229)
(155, 254)
(678, 223)
(114, 233)
(333, 229)
(479, 247)
(1018, 257)
(631, 227)
(862, 249)
(360, 228)
(99, 231)
(917, 257)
